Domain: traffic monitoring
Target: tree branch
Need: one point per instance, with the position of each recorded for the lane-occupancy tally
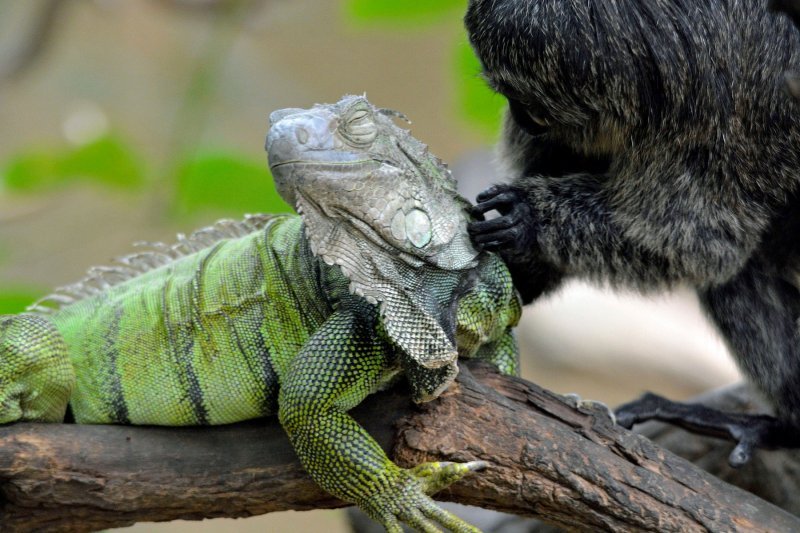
(569, 467)
(771, 475)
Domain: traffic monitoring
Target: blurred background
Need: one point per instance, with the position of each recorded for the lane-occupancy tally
(129, 120)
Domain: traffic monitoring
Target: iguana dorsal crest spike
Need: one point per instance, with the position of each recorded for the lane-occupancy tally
(100, 278)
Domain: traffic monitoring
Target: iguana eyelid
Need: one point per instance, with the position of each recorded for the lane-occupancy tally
(360, 128)
(358, 115)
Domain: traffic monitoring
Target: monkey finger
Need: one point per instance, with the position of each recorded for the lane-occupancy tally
(642, 409)
(475, 213)
(494, 241)
(625, 419)
(502, 203)
(495, 224)
(491, 192)
(492, 246)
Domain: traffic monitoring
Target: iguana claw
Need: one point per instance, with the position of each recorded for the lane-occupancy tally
(437, 476)
(406, 500)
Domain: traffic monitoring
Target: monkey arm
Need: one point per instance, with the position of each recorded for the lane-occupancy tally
(647, 232)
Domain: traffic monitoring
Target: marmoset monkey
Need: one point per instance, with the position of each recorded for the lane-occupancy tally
(651, 143)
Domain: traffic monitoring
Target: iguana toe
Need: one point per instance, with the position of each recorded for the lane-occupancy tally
(406, 499)
(439, 475)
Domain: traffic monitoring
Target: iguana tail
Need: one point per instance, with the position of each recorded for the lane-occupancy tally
(36, 375)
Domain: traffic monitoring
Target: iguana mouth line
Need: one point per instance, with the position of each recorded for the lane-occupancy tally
(328, 163)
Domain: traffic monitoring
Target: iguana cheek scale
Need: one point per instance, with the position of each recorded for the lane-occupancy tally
(299, 316)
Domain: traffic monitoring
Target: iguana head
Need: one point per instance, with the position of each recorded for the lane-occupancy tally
(349, 165)
(376, 203)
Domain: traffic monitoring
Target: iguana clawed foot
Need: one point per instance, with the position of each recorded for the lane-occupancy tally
(405, 499)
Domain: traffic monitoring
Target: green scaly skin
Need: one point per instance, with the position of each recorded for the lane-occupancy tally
(249, 326)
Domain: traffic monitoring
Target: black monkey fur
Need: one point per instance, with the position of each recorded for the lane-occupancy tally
(651, 143)
(792, 9)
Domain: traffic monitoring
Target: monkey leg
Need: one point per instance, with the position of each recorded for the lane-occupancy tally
(758, 314)
(748, 431)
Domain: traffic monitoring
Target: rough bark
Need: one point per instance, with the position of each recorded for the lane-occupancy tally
(569, 467)
(771, 475)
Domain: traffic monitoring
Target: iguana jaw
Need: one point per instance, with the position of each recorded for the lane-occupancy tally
(291, 175)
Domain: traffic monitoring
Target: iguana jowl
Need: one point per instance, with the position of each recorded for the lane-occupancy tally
(299, 316)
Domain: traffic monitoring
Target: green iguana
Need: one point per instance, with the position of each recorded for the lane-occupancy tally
(299, 316)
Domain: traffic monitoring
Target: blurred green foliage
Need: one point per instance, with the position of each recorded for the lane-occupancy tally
(210, 180)
(15, 299)
(229, 182)
(477, 105)
(205, 180)
(402, 11)
(107, 160)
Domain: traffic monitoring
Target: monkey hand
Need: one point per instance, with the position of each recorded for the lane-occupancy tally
(513, 233)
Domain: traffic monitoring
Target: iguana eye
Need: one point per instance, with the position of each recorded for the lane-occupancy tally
(360, 128)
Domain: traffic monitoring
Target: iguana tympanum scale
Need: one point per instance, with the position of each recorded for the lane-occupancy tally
(300, 316)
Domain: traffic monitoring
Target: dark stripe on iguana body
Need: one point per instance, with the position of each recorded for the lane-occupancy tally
(117, 405)
(199, 337)
(181, 345)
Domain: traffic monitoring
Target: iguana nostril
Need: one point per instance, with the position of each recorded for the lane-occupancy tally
(302, 135)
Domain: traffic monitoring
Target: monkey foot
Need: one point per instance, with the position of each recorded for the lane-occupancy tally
(748, 431)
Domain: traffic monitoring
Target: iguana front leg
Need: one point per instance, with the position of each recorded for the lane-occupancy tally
(36, 375)
(341, 364)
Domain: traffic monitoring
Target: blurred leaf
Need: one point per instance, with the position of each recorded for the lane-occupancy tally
(479, 105)
(107, 160)
(16, 299)
(31, 171)
(227, 182)
(402, 11)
